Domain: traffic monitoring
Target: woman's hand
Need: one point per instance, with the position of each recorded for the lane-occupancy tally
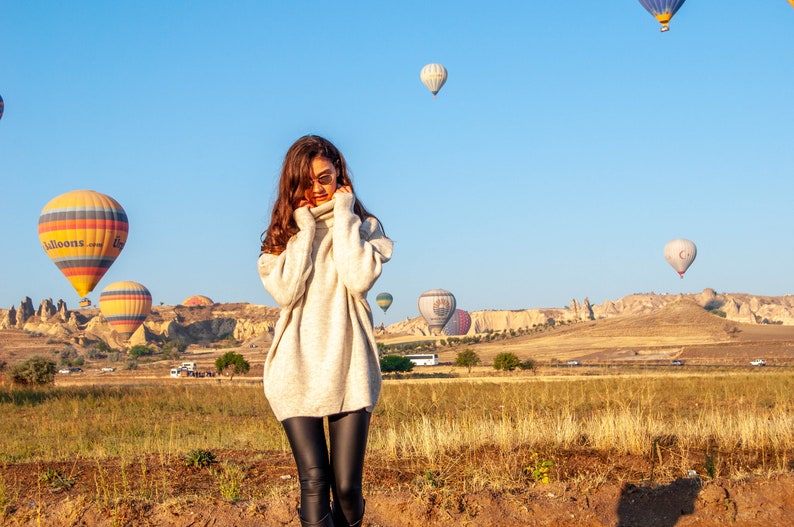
(345, 188)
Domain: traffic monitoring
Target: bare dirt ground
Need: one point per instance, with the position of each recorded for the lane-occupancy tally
(159, 491)
(172, 494)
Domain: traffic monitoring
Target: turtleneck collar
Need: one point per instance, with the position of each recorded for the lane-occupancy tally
(324, 214)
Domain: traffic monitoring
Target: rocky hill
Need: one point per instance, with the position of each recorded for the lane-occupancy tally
(248, 323)
(737, 307)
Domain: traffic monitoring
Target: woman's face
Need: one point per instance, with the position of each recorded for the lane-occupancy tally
(323, 180)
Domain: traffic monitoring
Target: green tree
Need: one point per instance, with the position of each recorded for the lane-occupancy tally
(528, 364)
(139, 351)
(231, 364)
(35, 370)
(506, 362)
(398, 363)
(467, 358)
(172, 348)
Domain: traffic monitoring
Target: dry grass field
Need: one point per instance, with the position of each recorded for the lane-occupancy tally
(624, 439)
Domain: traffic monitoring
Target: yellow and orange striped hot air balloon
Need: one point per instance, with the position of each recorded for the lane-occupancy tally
(125, 306)
(197, 300)
(83, 232)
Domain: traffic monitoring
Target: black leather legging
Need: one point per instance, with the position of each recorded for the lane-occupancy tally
(341, 471)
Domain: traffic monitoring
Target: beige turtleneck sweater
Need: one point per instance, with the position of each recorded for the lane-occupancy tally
(324, 360)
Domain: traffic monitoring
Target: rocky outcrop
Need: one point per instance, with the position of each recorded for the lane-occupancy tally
(202, 325)
(25, 311)
(248, 323)
(587, 310)
(737, 307)
(9, 319)
(47, 310)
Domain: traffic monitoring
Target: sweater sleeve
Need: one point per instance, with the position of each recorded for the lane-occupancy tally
(360, 249)
(284, 276)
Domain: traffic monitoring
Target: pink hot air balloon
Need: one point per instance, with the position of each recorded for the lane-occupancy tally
(458, 324)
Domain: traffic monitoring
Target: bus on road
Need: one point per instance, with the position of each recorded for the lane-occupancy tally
(427, 359)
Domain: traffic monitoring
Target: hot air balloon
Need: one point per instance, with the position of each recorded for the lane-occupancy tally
(125, 306)
(436, 306)
(791, 2)
(458, 324)
(384, 300)
(2, 106)
(680, 254)
(433, 76)
(662, 10)
(83, 232)
(197, 300)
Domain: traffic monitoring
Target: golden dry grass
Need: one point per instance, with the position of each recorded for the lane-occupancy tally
(744, 419)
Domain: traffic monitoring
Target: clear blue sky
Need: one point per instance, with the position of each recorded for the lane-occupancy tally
(567, 147)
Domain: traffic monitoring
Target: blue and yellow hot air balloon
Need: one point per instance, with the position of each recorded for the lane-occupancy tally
(83, 232)
(662, 10)
(384, 300)
(433, 77)
(125, 306)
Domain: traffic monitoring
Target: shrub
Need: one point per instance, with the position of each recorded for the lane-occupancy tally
(230, 481)
(232, 364)
(467, 358)
(172, 348)
(67, 354)
(199, 458)
(506, 362)
(94, 353)
(55, 479)
(395, 363)
(139, 351)
(528, 364)
(539, 469)
(35, 371)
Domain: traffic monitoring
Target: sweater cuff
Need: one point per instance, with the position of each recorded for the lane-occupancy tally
(344, 200)
(303, 217)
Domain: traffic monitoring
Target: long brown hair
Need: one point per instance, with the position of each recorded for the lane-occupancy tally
(295, 179)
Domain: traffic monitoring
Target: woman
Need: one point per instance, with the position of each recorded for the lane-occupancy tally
(321, 254)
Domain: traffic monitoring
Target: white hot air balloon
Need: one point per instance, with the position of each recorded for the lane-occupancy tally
(433, 76)
(436, 306)
(680, 254)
